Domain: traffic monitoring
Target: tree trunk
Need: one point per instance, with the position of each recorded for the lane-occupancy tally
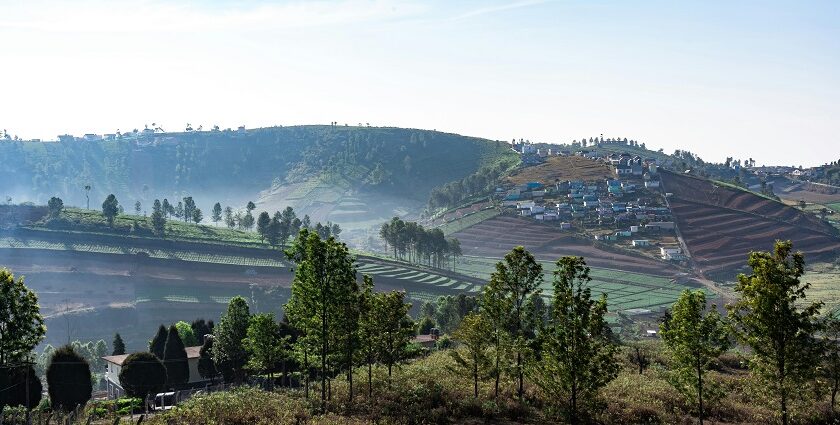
(475, 378)
(306, 371)
(834, 396)
(574, 415)
(700, 391)
(784, 408)
(498, 374)
(370, 377)
(521, 389)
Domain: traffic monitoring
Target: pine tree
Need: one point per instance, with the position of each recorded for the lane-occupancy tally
(158, 219)
(119, 346)
(774, 319)
(578, 356)
(228, 352)
(175, 359)
(695, 339)
(472, 334)
(216, 216)
(157, 345)
(263, 223)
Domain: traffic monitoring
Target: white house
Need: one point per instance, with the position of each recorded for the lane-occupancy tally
(114, 366)
(641, 242)
(670, 253)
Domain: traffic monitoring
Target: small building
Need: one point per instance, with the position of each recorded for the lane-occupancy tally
(640, 242)
(565, 226)
(114, 366)
(652, 184)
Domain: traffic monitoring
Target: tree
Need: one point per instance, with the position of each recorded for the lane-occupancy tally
(137, 208)
(118, 346)
(264, 344)
(142, 374)
(179, 210)
(473, 335)
(324, 281)
(263, 224)
(247, 221)
(518, 276)
(175, 359)
(229, 221)
(773, 318)
(250, 206)
(335, 230)
(200, 329)
(19, 386)
(228, 353)
(578, 355)
(197, 216)
(55, 206)
(216, 216)
(68, 379)
(494, 308)
(167, 209)
(206, 365)
(830, 370)
(157, 345)
(368, 328)
(694, 339)
(189, 209)
(21, 324)
(395, 328)
(110, 209)
(158, 219)
(187, 334)
(306, 223)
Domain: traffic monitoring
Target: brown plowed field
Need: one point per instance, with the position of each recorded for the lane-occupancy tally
(563, 168)
(721, 225)
(496, 236)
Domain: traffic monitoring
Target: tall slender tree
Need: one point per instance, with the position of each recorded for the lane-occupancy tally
(228, 352)
(118, 346)
(695, 338)
(577, 353)
(175, 359)
(774, 318)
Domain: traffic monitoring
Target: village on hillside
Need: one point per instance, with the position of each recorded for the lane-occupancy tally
(615, 198)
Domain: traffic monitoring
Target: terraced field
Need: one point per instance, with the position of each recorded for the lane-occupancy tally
(496, 236)
(415, 281)
(625, 290)
(721, 225)
(115, 248)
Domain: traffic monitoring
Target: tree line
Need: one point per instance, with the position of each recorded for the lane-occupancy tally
(565, 347)
(410, 241)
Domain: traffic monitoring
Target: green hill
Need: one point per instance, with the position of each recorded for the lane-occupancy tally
(234, 166)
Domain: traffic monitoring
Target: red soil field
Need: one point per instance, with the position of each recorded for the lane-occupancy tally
(721, 225)
(496, 236)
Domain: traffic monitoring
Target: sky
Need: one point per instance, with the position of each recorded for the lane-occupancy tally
(718, 78)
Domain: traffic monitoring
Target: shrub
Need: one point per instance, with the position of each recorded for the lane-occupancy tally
(13, 387)
(68, 379)
(142, 374)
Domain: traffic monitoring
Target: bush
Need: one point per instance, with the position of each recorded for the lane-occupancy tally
(142, 374)
(68, 379)
(13, 387)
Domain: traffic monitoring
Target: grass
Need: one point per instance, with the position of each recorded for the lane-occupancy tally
(563, 168)
(125, 249)
(91, 221)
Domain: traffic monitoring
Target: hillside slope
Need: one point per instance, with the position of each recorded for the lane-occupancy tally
(234, 166)
(722, 224)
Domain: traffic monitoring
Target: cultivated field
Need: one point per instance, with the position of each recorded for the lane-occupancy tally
(625, 290)
(495, 237)
(721, 225)
(563, 168)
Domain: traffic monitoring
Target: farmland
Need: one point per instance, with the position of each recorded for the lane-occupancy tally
(625, 291)
(563, 168)
(721, 225)
(496, 236)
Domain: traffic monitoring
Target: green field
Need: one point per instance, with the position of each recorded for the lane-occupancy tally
(118, 248)
(624, 290)
(467, 221)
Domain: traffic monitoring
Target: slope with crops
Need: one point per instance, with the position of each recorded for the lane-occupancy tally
(721, 224)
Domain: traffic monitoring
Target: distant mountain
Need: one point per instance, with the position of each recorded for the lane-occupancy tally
(233, 167)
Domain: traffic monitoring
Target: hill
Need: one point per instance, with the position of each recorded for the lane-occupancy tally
(721, 224)
(318, 163)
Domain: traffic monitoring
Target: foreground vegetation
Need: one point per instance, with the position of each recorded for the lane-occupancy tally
(343, 352)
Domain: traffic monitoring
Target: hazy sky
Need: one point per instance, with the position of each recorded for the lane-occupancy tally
(719, 78)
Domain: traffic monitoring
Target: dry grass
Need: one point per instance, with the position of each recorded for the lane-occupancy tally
(563, 168)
